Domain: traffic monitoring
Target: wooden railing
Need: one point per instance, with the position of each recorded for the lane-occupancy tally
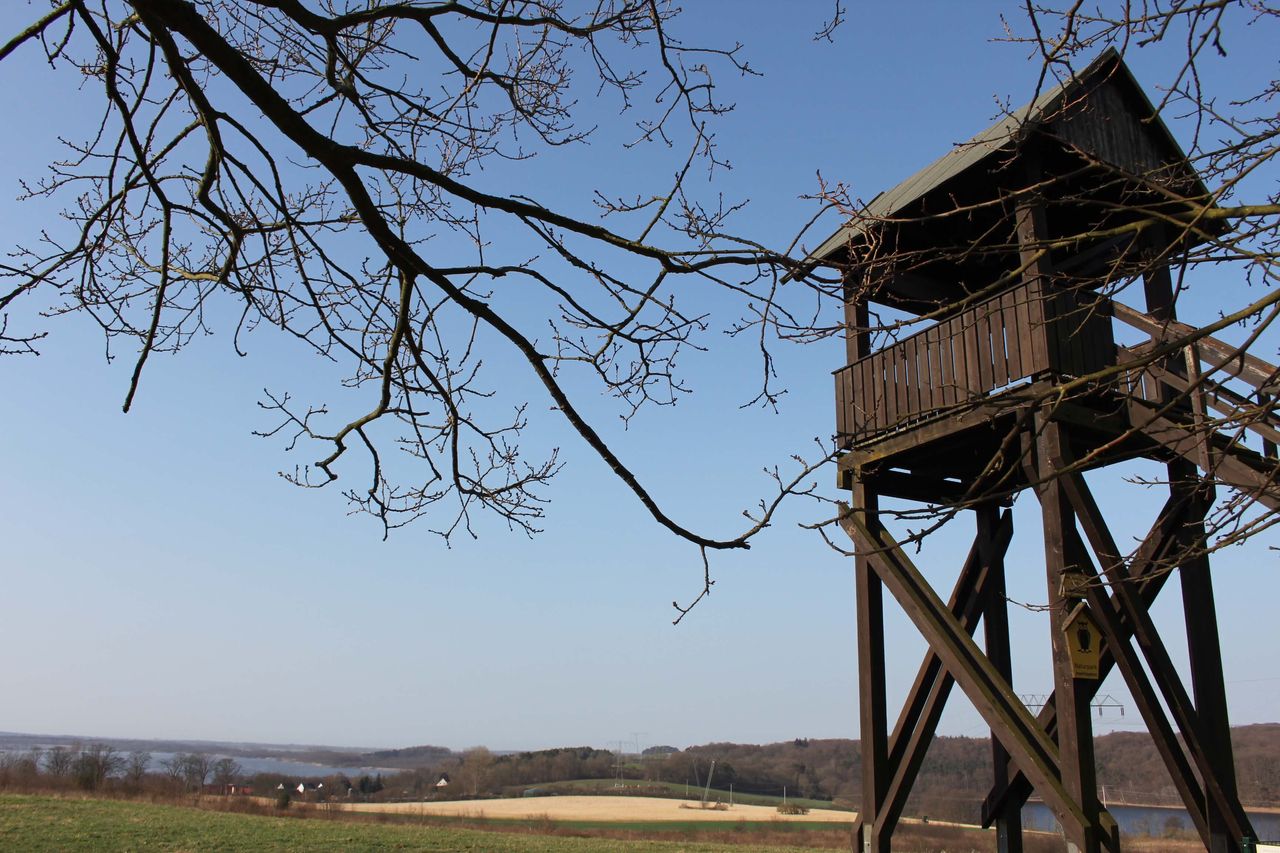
(1206, 379)
(964, 358)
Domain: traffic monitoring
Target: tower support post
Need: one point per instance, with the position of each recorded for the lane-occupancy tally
(995, 624)
(1075, 732)
(1208, 687)
(873, 717)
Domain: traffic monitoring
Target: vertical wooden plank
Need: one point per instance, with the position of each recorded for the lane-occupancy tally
(1204, 650)
(959, 371)
(1075, 732)
(1077, 328)
(972, 355)
(931, 401)
(1032, 232)
(943, 377)
(851, 388)
(999, 361)
(853, 308)
(982, 322)
(857, 394)
(913, 355)
(904, 384)
(842, 426)
(868, 377)
(872, 705)
(995, 622)
(926, 371)
(1026, 342)
(1058, 358)
(882, 389)
(906, 381)
(1009, 308)
(891, 385)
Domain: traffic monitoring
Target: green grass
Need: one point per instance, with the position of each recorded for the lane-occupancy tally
(677, 789)
(44, 823)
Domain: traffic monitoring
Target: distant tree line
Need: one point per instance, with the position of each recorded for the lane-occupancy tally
(98, 766)
(953, 781)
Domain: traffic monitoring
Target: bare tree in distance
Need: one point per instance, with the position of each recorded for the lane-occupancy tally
(135, 769)
(95, 763)
(58, 761)
(196, 767)
(226, 771)
(174, 769)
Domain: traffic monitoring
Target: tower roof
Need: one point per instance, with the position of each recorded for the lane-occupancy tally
(1097, 121)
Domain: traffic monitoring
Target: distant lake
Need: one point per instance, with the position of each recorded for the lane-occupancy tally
(284, 767)
(1149, 820)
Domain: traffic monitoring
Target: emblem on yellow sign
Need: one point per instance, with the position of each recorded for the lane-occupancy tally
(1084, 644)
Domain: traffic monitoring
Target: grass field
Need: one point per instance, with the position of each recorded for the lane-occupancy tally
(678, 789)
(38, 823)
(44, 823)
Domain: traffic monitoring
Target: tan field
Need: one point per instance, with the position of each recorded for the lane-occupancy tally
(594, 808)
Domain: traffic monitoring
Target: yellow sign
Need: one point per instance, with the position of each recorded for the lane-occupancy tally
(1084, 644)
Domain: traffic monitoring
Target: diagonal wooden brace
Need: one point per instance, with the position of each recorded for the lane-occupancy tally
(1028, 745)
(1153, 649)
(1148, 572)
(919, 717)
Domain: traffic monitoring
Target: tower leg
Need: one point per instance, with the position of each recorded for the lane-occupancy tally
(1207, 685)
(995, 622)
(873, 718)
(1075, 731)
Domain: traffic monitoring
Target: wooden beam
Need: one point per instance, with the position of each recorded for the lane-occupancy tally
(995, 626)
(1217, 354)
(1033, 236)
(1227, 820)
(1225, 803)
(918, 719)
(1144, 695)
(1075, 732)
(1026, 742)
(921, 488)
(871, 680)
(1149, 570)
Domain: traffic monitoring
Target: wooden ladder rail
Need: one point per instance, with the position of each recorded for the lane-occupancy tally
(1212, 449)
(1219, 355)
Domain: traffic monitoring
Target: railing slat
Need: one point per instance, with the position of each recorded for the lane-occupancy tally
(866, 392)
(986, 352)
(999, 361)
(965, 357)
(1009, 308)
(841, 410)
(910, 353)
(929, 363)
(891, 386)
(972, 372)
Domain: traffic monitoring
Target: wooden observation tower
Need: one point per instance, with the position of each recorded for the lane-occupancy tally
(1010, 256)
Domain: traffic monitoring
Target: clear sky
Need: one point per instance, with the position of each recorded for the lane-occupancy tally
(159, 579)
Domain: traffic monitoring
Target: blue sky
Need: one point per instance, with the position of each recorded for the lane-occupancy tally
(161, 580)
